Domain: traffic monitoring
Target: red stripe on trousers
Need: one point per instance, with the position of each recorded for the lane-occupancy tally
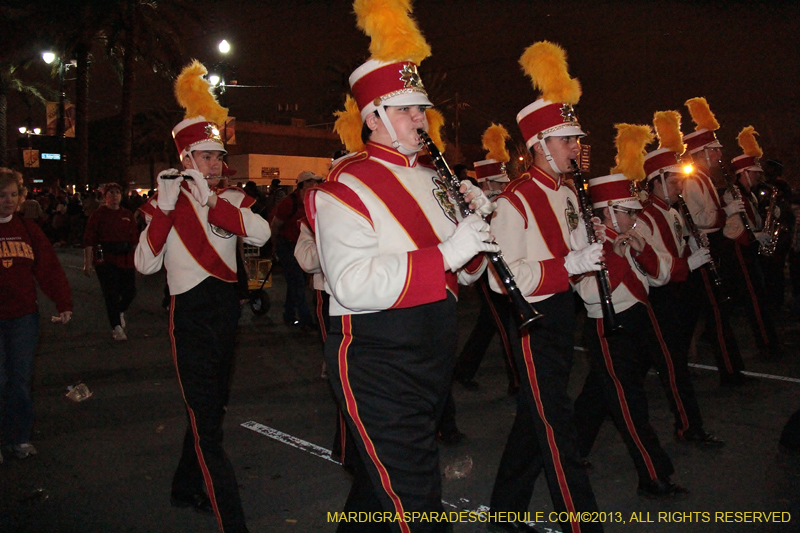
(352, 410)
(623, 403)
(756, 307)
(718, 319)
(551, 440)
(670, 370)
(501, 329)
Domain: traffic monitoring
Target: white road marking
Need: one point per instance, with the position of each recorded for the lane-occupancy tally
(319, 451)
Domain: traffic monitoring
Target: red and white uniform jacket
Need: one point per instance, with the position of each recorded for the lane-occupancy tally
(378, 220)
(734, 228)
(533, 221)
(628, 276)
(305, 251)
(194, 242)
(703, 202)
(663, 228)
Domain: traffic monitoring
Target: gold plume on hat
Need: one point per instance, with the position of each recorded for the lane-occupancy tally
(668, 129)
(747, 140)
(395, 35)
(194, 94)
(435, 124)
(701, 114)
(631, 140)
(494, 141)
(348, 125)
(546, 64)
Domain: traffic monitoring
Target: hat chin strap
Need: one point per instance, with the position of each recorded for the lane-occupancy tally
(613, 219)
(549, 157)
(400, 147)
(664, 187)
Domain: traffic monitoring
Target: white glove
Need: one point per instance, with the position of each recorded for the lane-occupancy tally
(762, 236)
(169, 189)
(198, 186)
(693, 246)
(479, 202)
(585, 260)
(466, 242)
(599, 230)
(736, 206)
(699, 258)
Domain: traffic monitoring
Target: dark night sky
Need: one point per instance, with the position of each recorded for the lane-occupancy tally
(632, 59)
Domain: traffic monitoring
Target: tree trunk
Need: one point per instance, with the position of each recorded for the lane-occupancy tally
(128, 83)
(82, 116)
(3, 130)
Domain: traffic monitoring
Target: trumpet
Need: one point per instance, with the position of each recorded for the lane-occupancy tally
(527, 314)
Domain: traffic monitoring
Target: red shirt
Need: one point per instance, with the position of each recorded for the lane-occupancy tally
(26, 256)
(291, 210)
(116, 231)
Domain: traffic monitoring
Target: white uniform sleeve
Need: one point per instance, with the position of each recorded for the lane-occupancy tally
(305, 251)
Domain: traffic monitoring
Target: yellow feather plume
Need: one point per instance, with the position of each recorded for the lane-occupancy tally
(395, 35)
(749, 143)
(435, 124)
(668, 130)
(348, 125)
(546, 64)
(701, 114)
(631, 140)
(494, 140)
(194, 94)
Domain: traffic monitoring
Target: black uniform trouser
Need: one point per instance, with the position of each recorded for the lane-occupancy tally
(615, 386)
(669, 307)
(543, 436)
(742, 268)
(494, 317)
(391, 372)
(700, 296)
(119, 289)
(203, 330)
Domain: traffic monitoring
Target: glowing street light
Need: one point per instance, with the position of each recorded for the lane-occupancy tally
(224, 46)
(214, 79)
(48, 57)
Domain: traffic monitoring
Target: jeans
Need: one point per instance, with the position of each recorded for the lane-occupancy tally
(18, 340)
(295, 308)
(119, 290)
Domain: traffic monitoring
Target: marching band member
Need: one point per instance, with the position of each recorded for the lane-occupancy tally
(663, 227)
(710, 215)
(393, 253)
(748, 278)
(534, 219)
(620, 361)
(192, 232)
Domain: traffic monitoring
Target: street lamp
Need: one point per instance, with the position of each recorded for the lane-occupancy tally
(224, 46)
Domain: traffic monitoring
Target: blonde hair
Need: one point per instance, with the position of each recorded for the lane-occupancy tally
(12, 177)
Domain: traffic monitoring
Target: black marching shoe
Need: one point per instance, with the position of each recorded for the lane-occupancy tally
(199, 501)
(701, 438)
(660, 488)
(511, 527)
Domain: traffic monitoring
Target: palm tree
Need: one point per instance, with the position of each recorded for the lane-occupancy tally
(10, 83)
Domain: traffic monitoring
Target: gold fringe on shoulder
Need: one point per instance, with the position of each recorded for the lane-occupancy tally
(546, 64)
(668, 129)
(749, 143)
(194, 94)
(395, 35)
(348, 125)
(494, 141)
(701, 114)
(435, 125)
(631, 140)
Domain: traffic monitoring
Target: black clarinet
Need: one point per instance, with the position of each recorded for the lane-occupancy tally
(736, 194)
(610, 322)
(702, 240)
(525, 311)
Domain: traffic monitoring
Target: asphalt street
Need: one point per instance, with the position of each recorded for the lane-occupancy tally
(105, 464)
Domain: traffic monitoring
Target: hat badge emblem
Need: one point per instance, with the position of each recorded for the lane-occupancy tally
(568, 113)
(212, 132)
(410, 77)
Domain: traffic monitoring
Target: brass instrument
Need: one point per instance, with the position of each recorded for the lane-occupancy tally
(527, 314)
(610, 322)
(702, 240)
(772, 227)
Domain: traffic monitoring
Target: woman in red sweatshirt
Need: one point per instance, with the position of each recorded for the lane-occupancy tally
(26, 257)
